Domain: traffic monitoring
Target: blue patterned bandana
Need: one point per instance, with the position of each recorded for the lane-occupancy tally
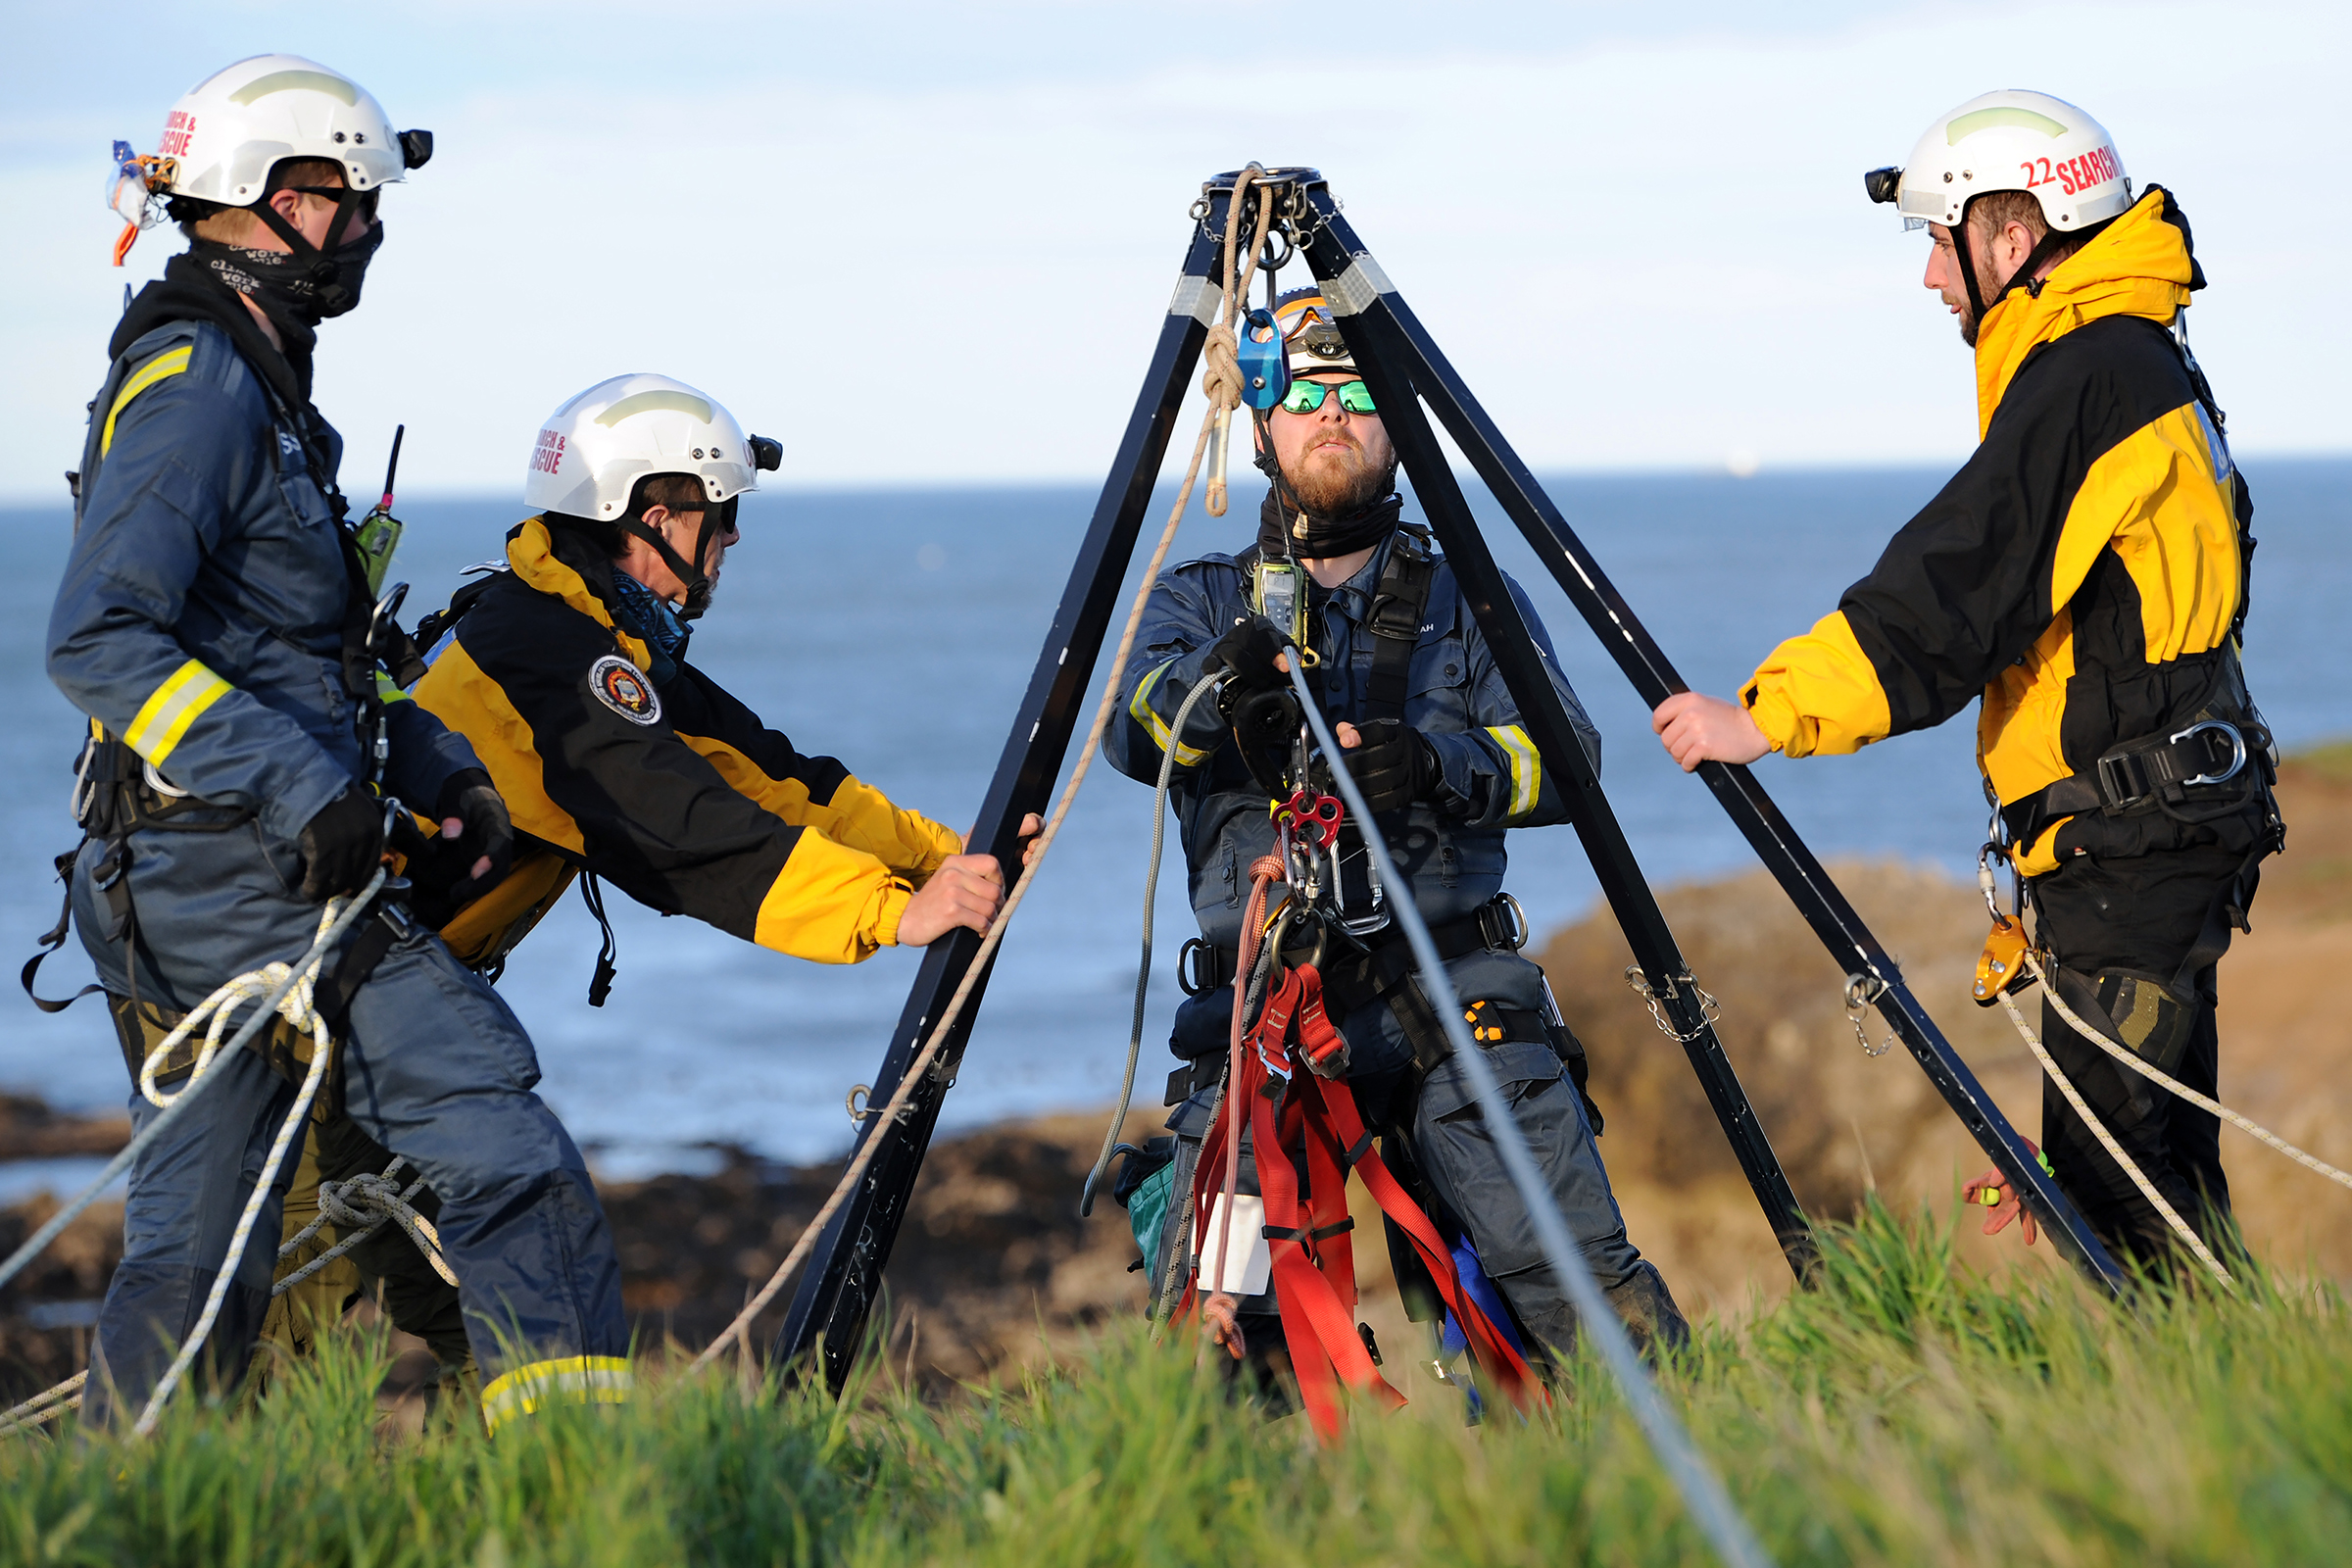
(641, 610)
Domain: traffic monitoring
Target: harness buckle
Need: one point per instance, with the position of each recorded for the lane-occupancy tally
(2238, 752)
(1503, 923)
(2122, 779)
(1196, 967)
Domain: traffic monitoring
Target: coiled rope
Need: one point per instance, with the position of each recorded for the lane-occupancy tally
(360, 1206)
(283, 990)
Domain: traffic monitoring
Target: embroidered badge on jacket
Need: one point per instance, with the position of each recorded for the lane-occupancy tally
(622, 687)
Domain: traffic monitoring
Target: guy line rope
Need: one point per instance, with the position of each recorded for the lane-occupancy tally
(2162, 1079)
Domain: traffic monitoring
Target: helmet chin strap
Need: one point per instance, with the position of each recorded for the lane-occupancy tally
(698, 583)
(331, 294)
(2022, 278)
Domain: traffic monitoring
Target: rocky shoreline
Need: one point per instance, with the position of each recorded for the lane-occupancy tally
(992, 1251)
(995, 1269)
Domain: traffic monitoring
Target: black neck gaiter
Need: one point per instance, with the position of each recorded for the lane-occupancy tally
(295, 291)
(192, 291)
(1282, 532)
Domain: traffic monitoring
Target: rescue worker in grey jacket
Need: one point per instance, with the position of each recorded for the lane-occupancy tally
(215, 624)
(1435, 743)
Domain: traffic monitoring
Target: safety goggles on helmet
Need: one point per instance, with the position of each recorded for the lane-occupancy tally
(1306, 397)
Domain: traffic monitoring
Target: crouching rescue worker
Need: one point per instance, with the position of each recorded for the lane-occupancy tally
(1435, 743)
(567, 671)
(2086, 573)
(215, 626)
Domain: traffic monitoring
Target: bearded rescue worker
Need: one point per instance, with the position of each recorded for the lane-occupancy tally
(214, 624)
(1437, 745)
(567, 672)
(2086, 572)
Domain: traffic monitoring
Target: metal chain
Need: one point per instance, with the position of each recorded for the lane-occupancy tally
(1861, 990)
(1711, 1013)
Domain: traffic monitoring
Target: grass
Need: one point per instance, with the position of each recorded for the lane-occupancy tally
(1903, 1413)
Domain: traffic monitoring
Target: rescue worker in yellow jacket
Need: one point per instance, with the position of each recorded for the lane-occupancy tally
(2087, 575)
(566, 671)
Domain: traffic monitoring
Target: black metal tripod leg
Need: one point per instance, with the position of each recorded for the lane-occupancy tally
(836, 1293)
(1362, 292)
(1383, 358)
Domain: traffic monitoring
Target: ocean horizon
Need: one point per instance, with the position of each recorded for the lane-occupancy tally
(896, 629)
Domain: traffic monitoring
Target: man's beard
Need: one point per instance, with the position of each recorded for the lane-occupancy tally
(1332, 487)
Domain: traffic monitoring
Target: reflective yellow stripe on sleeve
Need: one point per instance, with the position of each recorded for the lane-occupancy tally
(1140, 708)
(170, 363)
(567, 1380)
(1527, 767)
(177, 703)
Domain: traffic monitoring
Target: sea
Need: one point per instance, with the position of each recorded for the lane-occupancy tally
(896, 631)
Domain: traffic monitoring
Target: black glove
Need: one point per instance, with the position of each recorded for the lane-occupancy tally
(1249, 651)
(342, 845)
(1393, 766)
(474, 800)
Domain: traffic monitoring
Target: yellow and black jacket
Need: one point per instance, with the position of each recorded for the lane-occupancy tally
(673, 791)
(2084, 573)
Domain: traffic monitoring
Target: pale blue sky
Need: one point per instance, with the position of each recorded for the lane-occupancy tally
(931, 243)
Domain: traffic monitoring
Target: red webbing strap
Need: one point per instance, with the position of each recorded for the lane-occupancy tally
(1505, 1365)
(1318, 1328)
(1313, 1122)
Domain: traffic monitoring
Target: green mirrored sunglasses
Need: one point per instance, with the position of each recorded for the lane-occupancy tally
(1306, 397)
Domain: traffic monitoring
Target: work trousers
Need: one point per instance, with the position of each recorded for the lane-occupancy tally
(2119, 930)
(436, 1069)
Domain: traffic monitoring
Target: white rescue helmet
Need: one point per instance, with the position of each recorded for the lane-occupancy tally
(224, 135)
(593, 450)
(2009, 140)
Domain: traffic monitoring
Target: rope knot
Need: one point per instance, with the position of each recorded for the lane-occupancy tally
(1266, 868)
(1221, 367)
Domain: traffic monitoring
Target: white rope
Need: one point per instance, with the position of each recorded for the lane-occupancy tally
(177, 1104)
(45, 1406)
(283, 991)
(2147, 1188)
(368, 1201)
(2157, 1075)
(360, 1208)
(1223, 385)
(296, 1006)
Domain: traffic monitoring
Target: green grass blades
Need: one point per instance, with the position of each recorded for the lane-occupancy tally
(1904, 1412)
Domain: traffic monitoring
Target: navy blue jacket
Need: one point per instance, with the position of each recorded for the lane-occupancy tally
(201, 614)
(1450, 849)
